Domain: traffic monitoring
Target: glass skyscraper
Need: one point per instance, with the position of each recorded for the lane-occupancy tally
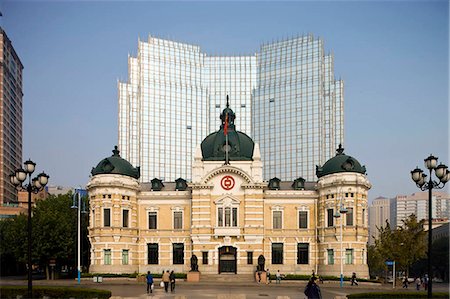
(285, 97)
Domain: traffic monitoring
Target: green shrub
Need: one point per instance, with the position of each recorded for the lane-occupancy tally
(8, 292)
(395, 295)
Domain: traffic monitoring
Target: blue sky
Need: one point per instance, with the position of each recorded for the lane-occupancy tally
(392, 56)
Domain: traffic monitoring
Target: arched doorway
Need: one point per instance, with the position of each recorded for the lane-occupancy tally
(227, 259)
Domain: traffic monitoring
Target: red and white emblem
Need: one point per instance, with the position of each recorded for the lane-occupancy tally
(227, 182)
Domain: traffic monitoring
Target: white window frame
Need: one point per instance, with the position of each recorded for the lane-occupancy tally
(353, 216)
(103, 216)
(152, 209)
(227, 203)
(128, 256)
(278, 209)
(177, 210)
(110, 256)
(326, 218)
(328, 256)
(129, 216)
(302, 209)
(352, 250)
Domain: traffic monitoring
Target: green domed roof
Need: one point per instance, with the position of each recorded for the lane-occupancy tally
(340, 163)
(240, 146)
(116, 165)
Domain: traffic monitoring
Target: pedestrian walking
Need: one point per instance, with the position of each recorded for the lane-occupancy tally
(418, 283)
(405, 282)
(149, 282)
(259, 276)
(312, 290)
(268, 276)
(278, 277)
(166, 280)
(172, 281)
(354, 279)
(425, 282)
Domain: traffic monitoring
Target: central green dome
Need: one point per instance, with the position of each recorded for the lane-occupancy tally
(240, 146)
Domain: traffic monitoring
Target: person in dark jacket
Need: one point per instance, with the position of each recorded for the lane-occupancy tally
(312, 290)
(354, 279)
(172, 281)
(149, 282)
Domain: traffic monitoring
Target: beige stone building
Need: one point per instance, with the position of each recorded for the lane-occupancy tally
(228, 216)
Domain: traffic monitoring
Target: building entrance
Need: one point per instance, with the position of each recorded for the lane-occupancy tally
(227, 259)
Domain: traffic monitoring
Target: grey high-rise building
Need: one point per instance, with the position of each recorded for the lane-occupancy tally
(285, 96)
(379, 213)
(10, 117)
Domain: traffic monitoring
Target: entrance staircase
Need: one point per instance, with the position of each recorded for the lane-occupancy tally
(226, 277)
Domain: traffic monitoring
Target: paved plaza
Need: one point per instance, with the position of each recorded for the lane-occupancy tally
(129, 288)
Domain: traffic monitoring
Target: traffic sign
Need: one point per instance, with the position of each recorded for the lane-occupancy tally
(389, 263)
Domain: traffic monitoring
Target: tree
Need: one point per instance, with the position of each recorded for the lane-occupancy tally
(404, 245)
(54, 230)
(440, 257)
(54, 233)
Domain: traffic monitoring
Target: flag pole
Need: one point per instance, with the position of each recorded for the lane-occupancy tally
(227, 150)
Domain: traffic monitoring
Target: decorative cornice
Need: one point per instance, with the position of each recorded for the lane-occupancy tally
(228, 168)
(200, 186)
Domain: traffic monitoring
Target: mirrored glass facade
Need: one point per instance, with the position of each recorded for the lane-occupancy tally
(285, 97)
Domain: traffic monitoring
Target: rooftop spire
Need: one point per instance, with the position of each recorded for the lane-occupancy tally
(116, 151)
(228, 103)
(340, 150)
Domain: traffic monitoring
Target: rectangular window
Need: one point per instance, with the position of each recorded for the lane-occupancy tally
(349, 256)
(205, 257)
(330, 217)
(349, 217)
(277, 220)
(152, 224)
(302, 253)
(178, 253)
(302, 219)
(227, 216)
(364, 216)
(125, 218)
(250, 257)
(177, 220)
(125, 257)
(220, 216)
(153, 254)
(107, 256)
(277, 253)
(106, 217)
(234, 217)
(330, 253)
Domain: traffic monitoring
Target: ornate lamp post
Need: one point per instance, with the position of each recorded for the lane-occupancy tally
(80, 210)
(342, 211)
(419, 178)
(34, 186)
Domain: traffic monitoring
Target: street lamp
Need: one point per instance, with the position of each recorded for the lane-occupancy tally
(342, 211)
(34, 186)
(78, 207)
(419, 178)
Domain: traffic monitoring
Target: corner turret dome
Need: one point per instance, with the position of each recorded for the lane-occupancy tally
(340, 163)
(239, 145)
(116, 165)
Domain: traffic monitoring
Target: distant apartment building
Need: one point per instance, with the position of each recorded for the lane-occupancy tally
(285, 96)
(379, 213)
(417, 203)
(58, 190)
(10, 117)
